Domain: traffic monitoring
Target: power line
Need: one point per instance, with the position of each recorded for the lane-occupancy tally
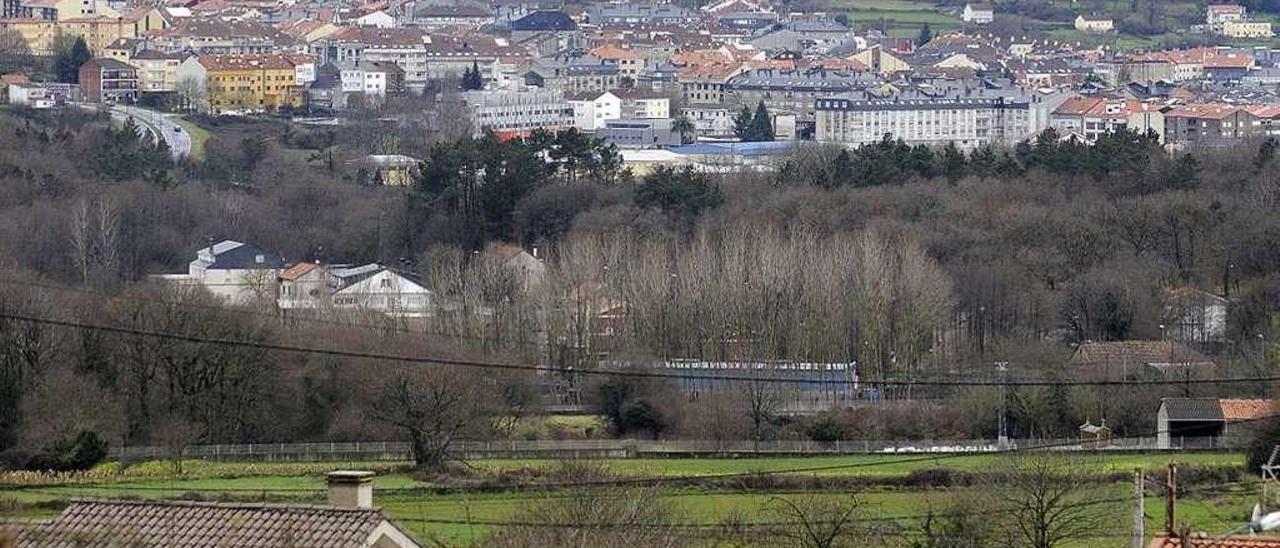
(253, 313)
(619, 372)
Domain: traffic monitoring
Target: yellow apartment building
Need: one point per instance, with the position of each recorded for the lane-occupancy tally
(219, 83)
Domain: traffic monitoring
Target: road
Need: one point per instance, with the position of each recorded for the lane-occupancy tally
(178, 139)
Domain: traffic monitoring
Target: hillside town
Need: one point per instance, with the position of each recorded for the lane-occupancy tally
(627, 273)
(657, 80)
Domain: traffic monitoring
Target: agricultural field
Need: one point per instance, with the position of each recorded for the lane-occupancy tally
(459, 518)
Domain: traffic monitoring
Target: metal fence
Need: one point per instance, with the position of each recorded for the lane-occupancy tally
(627, 448)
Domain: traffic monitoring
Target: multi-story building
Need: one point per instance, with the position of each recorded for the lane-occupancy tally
(641, 14)
(630, 63)
(969, 114)
(57, 10)
(517, 112)
(1211, 124)
(1092, 117)
(372, 79)
(640, 103)
(440, 16)
(422, 57)
(978, 14)
(1247, 29)
(573, 74)
(243, 82)
(794, 91)
(157, 70)
(104, 80)
(591, 110)
(1218, 15)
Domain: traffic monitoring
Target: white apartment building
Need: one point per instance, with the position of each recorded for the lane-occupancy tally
(969, 119)
(517, 111)
(592, 110)
(978, 14)
(1218, 15)
(356, 79)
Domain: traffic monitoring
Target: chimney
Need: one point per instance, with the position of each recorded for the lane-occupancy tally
(351, 489)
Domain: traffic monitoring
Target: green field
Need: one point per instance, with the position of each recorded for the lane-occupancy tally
(421, 512)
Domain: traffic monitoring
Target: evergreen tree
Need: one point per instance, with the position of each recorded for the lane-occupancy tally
(69, 59)
(742, 124)
(761, 124)
(953, 163)
(926, 35)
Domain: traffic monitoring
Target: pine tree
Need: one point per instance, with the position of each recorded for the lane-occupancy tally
(926, 35)
(742, 124)
(761, 124)
(67, 63)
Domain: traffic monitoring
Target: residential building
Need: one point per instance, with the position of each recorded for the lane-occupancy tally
(40, 35)
(1218, 15)
(969, 114)
(528, 267)
(157, 70)
(710, 120)
(793, 91)
(380, 19)
(1092, 117)
(30, 95)
(517, 112)
(574, 74)
(631, 14)
(630, 63)
(57, 10)
(441, 16)
(978, 14)
(349, 520)
(232, 271)
(147, 18)
(1094, 23)
(879, 61)
(639, 103)
(104, 80)
(543, 21)
(640, 133)
(1194, 316)
(1210, 124)
(805, 35)
(592, 109)
(1247, 29)
(245, 82)
(1204, 423)
(310, 288)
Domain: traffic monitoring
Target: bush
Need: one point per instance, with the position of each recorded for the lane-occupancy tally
(81, 452)
(825, 428)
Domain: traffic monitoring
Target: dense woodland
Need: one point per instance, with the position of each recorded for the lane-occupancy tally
(916, 263)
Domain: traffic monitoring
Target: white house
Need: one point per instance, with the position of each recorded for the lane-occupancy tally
(978, 14)
(380, 19)
(1218, 15)
(370, 82)
(592, 109)
(1094, 23)
(1195, 316)
(371, 287)
(235, 272)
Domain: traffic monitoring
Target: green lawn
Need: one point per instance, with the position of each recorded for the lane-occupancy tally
(304, 483)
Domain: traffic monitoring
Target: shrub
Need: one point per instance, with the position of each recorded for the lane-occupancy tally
(80, 452)
(825, 428)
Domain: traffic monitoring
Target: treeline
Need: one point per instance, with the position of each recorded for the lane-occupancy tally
(913, 262)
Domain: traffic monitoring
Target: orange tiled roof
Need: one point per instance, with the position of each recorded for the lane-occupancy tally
(297, 271)
(614, 53)
(261, 61)
(1246, 409)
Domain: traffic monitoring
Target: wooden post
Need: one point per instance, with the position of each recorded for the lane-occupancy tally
(1139, 511)
(1170, 501)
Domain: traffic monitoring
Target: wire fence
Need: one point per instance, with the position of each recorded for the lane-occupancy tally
(631, 448)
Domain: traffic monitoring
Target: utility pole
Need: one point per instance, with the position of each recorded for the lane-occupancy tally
(1139, 511)
(1170, 501)
(1003, 441)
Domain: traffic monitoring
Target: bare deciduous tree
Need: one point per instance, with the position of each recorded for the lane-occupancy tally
(434, 406)
(1051, 502)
